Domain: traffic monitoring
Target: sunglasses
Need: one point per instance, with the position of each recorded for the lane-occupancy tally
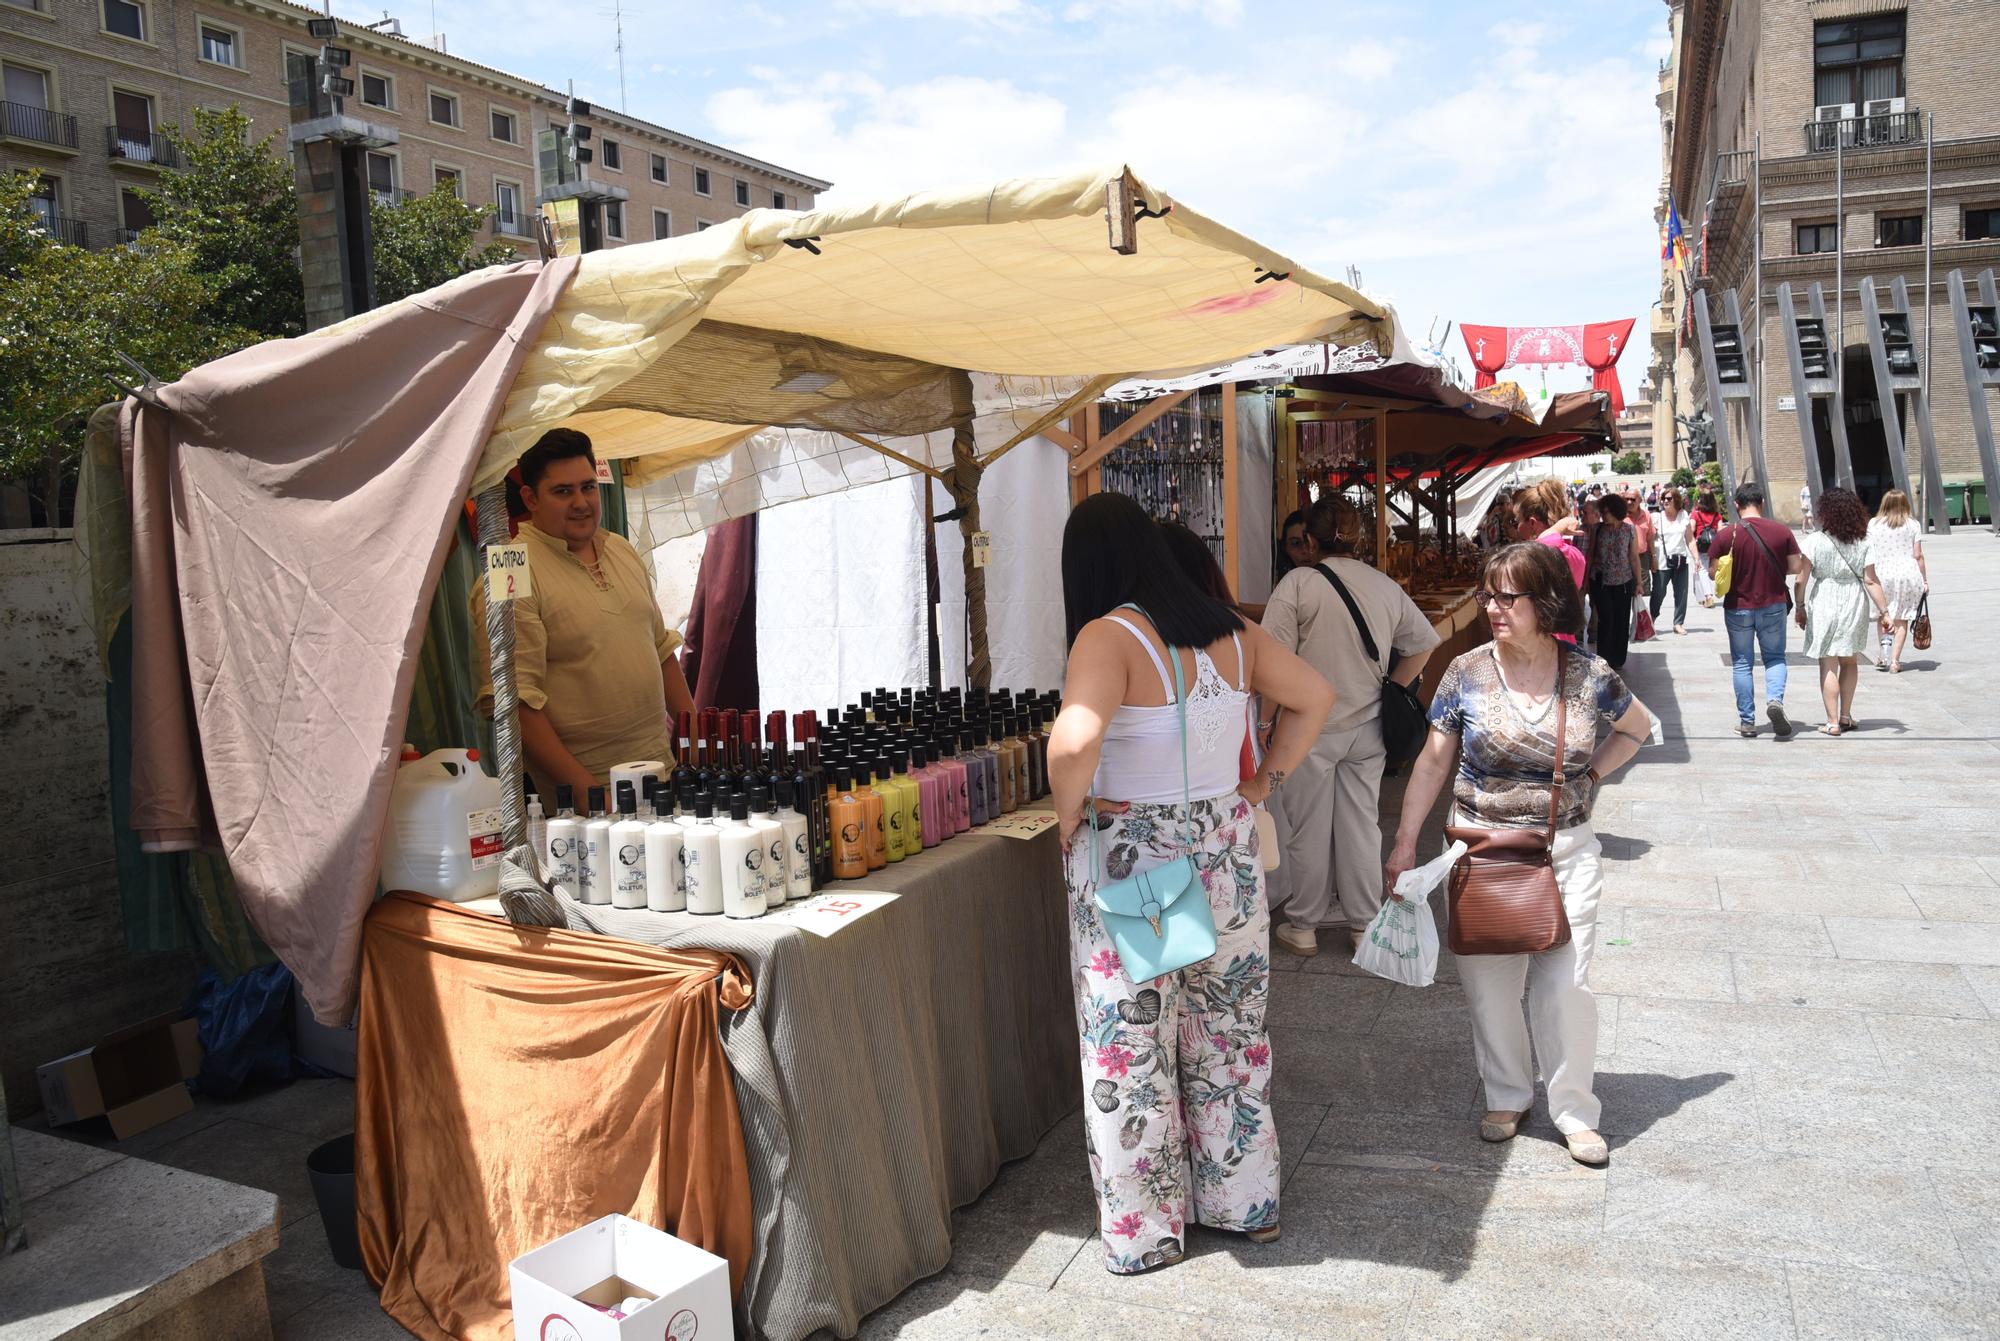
(1503, 599)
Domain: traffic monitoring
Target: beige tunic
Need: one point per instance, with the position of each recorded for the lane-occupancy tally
(589, 659)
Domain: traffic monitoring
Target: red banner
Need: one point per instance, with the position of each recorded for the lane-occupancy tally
(1595, 345)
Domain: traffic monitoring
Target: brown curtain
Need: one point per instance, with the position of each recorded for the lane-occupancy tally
(516, 1083)
(720, 658)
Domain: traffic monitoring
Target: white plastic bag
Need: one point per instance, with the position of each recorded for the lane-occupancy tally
(1401, 944)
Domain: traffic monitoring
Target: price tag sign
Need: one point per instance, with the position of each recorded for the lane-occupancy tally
(982, 548)
(604, 472)
(1021, 824)
(825, 913)
(508, 577)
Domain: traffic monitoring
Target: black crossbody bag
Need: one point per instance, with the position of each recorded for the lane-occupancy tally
(1404, 723)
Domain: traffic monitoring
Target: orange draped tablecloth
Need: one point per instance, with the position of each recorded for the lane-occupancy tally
(516, 1083)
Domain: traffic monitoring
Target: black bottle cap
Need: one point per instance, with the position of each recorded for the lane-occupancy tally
(920, 757)
(597, 800)
(704, 805)
(762, 799)
(627, 803)
(843, 778)
(565, 798)
(739, 807)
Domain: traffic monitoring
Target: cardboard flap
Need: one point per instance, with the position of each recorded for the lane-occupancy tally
(128, 1120)
(187, 1047)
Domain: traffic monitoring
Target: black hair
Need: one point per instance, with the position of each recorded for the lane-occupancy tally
(1297, 518)
(1112, 554)
(1197, 560)
(1612, 506)
(1749, 495)
(558, 444)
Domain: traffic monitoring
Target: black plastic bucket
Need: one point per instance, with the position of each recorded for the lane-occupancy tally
(331, 1168)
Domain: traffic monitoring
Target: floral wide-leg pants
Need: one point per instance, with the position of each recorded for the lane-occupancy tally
(1177, 1070)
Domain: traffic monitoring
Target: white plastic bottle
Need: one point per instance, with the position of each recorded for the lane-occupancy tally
(538, 824)
(798, 863)
(666, 875)
(597, 851)
(628, 853)
(562, 857)
(701, 846)
(744, 849)
(771, 832)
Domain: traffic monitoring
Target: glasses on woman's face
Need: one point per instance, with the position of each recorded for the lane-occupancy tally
(1503, 600)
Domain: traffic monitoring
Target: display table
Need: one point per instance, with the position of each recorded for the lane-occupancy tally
(1460, 628)
(886, 1072)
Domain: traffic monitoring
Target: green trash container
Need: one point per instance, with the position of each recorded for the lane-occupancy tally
(1954, 500)
(1980, 508)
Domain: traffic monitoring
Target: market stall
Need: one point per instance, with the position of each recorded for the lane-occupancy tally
(292, 506)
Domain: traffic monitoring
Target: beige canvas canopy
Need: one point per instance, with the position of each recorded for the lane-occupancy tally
(292, 503)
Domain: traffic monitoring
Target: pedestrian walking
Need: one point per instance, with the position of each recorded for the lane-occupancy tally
(1615, 560)
(1839, 603)
(1495, 718)
(1896, 548)
(1707, 520)
(1806, 508)
(1673, 549)
(1178, 1065)
(1545, 514)
(1329, 816)
(1762, 555)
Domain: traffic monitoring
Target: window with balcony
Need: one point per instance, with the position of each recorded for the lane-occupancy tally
(382, 177)
(1899, 230)
(27, 107)
(132, 131)
(612, 158)
(742, 192)
(1857, 61)
(660, 168)
(134, 213)
(614, 219)
(1814, 238)
(221, 46)
(378, 90)
(125, 18)
(46, 203)
(507, 207)
(1982, 223)
(444, 109)
(503, 127)
(701, 187)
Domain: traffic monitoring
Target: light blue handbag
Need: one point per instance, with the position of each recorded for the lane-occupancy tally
(1159, 920)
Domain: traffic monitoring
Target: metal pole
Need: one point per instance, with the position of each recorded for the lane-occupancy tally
(1924, 391)
(1757, 275)
(1975, 387)
(500, 646)
(1840, 275)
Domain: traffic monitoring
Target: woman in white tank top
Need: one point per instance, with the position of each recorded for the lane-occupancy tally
(1177, 1069)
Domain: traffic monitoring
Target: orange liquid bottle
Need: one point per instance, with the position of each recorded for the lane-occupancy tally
(849, 817)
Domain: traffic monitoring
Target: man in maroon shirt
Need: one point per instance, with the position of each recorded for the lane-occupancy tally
(1766, 554)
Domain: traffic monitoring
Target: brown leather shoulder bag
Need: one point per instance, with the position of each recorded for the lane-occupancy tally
(1503, 897)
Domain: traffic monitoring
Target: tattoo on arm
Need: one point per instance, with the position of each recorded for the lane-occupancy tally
(1277, 778)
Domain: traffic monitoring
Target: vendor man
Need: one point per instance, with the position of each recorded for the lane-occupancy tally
(594, 662)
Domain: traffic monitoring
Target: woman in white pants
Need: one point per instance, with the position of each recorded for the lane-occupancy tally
(1494, 715)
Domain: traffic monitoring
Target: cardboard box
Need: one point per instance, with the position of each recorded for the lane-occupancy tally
(137, 1077)
(611, 1260)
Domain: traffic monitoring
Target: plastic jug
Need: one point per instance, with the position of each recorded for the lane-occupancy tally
(444, 834)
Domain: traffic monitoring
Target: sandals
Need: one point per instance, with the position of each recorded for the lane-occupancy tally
(1829, 729)
(1268, 1234)
(1847, 724)
(1895, 668)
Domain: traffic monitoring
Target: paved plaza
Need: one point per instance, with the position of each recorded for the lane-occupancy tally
(1799, 973)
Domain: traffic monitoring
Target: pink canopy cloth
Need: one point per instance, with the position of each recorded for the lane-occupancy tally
(292, 506)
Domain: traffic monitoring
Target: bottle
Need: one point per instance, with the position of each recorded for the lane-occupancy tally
(989, 759)
(701, 854)
(562, 858)
(976, 809)
(951, 780)
(930, 794)
(684, 742)
(666, 874)
(538, 824)
(627, 849)
(796, 820)
(911, 795)
(1003, 757)
(849, 817)
(597, 851)
(1038, 752)
(896, 807)
(742, 855)
(875, 831)
(1024, 782)
(764, 818)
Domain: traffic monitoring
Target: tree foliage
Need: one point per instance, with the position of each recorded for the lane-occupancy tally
(1683, 478)
(422, 242)
(1630, 463)
(231, 202)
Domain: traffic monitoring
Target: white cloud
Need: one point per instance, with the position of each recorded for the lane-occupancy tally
(1225, 12)
(975, 11)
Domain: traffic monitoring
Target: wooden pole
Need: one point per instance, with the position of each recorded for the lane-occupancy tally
(1381, 492)
(1232, 543)
(963, 481)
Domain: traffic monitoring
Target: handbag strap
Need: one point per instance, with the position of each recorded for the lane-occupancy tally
(1360, 624)
(1562, 734)
(1180, 707)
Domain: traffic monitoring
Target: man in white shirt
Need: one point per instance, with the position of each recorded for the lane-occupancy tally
(1328, 816)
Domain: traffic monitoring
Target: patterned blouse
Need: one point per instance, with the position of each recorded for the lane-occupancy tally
(1507, 756)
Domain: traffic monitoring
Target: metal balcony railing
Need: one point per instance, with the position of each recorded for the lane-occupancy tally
(139, 146)
(1865, 132)
(1733, 167)
(20, 121)
(75, 232)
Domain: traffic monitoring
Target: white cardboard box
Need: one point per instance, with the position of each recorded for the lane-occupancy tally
(605, 1262)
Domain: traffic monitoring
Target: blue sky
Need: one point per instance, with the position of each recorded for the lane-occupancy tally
(1474, 163)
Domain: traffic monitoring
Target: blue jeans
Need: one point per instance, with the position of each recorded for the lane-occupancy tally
(1765, 628)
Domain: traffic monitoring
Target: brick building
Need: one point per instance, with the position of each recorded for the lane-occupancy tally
(88, 84)
(1789, 113)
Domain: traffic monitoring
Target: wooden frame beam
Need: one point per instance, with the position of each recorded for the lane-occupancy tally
(892, 454)
(1232, 542)
(1047, 420)
(1119, 436)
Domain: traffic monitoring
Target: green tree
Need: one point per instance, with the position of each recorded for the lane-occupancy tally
(63, 311)
(1711, 476)
(422, 242)
(231, 202)
(1683, 478)
(1630, 463)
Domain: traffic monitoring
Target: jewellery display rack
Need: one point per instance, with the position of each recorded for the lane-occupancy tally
(1173, 469)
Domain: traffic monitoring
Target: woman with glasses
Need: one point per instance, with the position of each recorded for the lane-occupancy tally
(1494, 718)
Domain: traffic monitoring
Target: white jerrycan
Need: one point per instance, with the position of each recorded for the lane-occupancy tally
(444, 832)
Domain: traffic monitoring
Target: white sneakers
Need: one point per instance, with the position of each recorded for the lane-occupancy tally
(1302, 941)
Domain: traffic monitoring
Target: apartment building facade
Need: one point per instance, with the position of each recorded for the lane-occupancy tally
(86, 87)
(1828, 142)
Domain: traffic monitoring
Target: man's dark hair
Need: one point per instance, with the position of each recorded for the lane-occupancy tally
(1749, 495)
(1113, 553)
(558, 444)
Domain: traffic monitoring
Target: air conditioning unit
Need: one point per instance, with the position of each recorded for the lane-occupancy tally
(1834, 111)
(1883, 106)
(1833, 125)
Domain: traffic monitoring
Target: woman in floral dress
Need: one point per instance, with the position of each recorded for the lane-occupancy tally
(1176, 1069)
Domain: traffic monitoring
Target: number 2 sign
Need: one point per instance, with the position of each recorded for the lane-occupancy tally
(508, 576)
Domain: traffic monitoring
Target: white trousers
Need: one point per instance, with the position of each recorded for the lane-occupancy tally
(1328, 817)
(1561, 1014)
